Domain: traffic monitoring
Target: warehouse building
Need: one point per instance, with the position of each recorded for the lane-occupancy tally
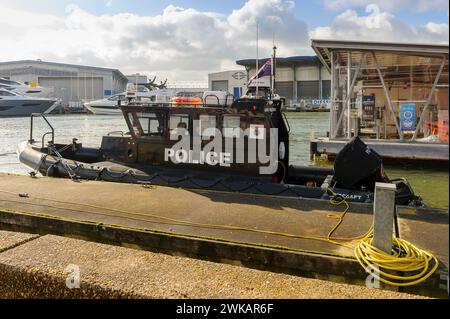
(233, 82)
(298, 79)
(71, 83)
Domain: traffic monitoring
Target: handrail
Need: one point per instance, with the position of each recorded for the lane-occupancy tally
(31, 140)
(210, 95)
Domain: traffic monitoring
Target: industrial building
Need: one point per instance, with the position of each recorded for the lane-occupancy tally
(233, 82)
(71, 83)
(298, 78)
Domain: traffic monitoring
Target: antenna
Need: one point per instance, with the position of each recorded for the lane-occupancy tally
(257, 58)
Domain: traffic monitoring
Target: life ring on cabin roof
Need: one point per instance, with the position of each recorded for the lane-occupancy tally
(186, 101)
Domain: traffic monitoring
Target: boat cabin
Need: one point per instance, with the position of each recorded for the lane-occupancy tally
(218, 138)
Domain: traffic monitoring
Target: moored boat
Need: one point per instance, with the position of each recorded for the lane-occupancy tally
(242, 148)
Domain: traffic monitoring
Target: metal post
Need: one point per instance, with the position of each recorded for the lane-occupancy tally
(320, 83)
(430, 96)
(388, 97)
(363, 61)
(294, 86)
(332, 93)
(383, 216)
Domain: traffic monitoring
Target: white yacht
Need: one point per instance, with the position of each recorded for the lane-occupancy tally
(24, 89)
(14, 104)
(110, 105)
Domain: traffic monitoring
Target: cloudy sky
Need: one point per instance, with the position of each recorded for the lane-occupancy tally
(186, 39)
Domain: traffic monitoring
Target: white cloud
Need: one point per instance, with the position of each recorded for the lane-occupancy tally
(178, 43)
(390, 5)
(184, 44)
(380, 26)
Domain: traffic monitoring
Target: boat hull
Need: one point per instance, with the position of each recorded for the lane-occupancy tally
(49, 165)
(10, 108)
(107, 110)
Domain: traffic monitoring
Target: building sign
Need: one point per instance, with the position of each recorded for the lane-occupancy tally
(368, 108)
(408, 117)
(260, 82)
(238, 75)
(320, 101)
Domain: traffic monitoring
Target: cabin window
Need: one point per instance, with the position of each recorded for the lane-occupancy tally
(232, 126)
(152, 125)
(179, 121)
(135, 125)
(117, 97)
(257, 128)
(207, 125)
(4, 93)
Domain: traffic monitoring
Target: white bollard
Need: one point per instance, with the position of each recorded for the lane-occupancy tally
(383, 216)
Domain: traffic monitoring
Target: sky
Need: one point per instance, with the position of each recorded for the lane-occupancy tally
(184, 40)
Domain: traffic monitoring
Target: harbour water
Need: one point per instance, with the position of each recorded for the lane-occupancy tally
(429, 182)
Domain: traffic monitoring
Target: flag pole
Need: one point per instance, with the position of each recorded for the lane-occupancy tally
(272, 79)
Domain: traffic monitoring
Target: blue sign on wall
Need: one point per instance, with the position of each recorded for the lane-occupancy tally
(408, 117)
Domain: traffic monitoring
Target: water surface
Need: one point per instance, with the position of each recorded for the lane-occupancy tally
(430, 183)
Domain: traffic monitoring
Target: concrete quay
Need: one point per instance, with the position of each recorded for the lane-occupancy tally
(33, 266)
(226, 228)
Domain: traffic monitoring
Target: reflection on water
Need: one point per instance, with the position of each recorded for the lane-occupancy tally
(430, 183)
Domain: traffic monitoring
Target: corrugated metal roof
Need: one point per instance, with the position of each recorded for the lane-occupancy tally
(293, 60)
(323, 49)
(39, 62)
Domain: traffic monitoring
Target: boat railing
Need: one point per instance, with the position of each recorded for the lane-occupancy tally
(227, 99)
(52, 132)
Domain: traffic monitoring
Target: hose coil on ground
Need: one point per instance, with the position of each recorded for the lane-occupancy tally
(407, 265)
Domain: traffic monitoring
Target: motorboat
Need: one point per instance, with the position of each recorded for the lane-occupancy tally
(24, 89)
(15, 104)
(111, 105)
(224, 157)
(107, 106)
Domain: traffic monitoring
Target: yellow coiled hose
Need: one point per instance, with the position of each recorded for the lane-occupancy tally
(412, 264)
